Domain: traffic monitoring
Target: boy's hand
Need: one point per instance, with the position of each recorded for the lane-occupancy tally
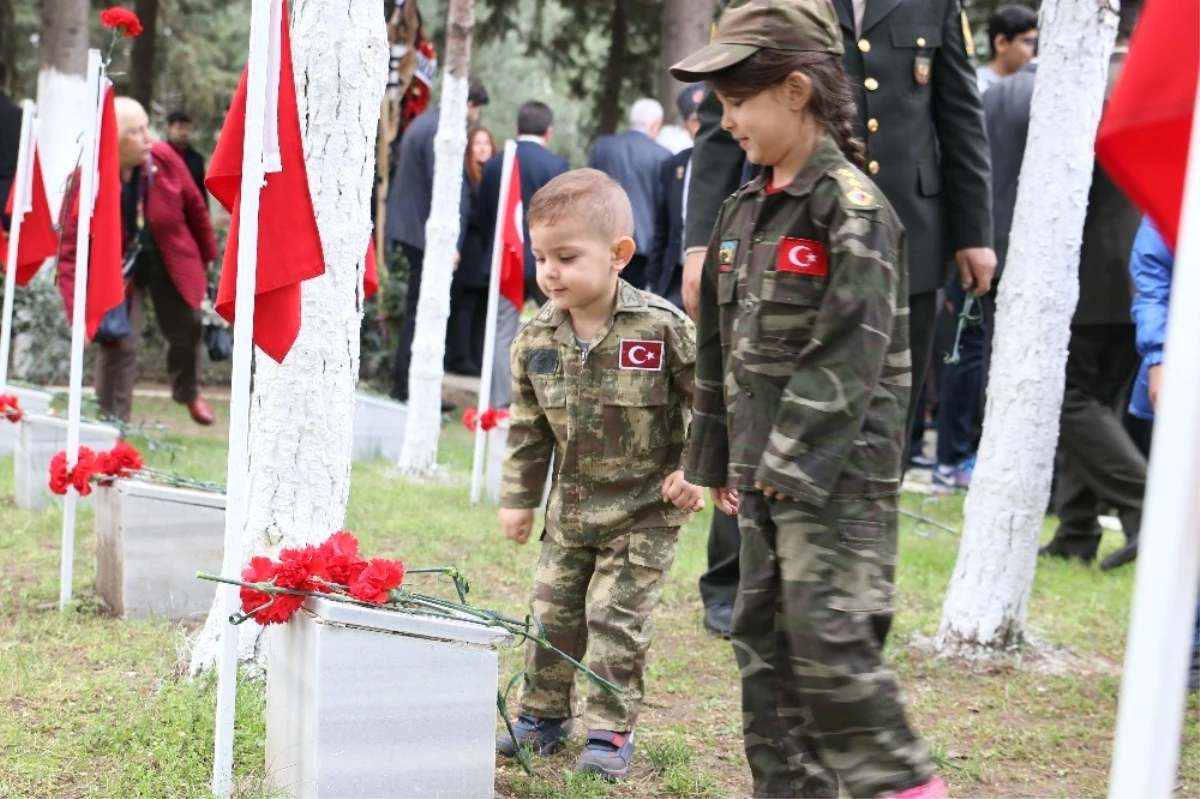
(681, 493)
(724, 500)
(517, 523)
(1155, 375)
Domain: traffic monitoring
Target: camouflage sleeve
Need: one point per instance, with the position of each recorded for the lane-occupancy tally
(683, 375)
(530, 442)
(825, 401)
(708, 454)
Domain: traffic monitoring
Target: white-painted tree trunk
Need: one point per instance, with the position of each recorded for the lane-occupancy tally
(62, 91)
(419, 454)
(986, 604)
(302, 412)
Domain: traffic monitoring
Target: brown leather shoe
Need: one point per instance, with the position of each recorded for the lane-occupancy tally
(201, 413)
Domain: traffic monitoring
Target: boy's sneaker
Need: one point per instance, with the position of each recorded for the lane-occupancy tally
(541, 736)
(934, 789)
(954, 477)
(607, 754)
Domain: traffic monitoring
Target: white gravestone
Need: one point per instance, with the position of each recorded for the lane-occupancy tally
(39, 439)
(373, 703)
(31, 401)
(378, 427)
(150, 541)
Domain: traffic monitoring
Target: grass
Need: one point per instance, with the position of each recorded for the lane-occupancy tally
(95, 707)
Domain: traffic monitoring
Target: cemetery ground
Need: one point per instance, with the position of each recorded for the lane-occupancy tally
(91, 706)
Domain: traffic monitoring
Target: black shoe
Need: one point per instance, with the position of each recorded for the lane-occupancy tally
(921, 461)
(1085, 552)
(1126, 554)
(718, 619)
(447, 407)
(542, 736)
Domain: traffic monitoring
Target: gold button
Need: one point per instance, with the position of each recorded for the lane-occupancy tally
(872, 125)
(873, 167)
(871, 84)
(864, 45)
(920, 41)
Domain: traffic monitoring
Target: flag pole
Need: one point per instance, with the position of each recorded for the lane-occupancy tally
(20, 199)
(238, 469)
(87, 196)
(489, 339)
(1153, 688)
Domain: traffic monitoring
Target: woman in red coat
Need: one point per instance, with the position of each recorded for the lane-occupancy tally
(163, 213)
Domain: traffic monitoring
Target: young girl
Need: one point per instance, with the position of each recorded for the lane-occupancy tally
(802, 386)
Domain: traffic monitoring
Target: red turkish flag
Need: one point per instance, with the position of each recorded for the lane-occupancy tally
(371, 276)
(105, 285)
(38, 239)
(512, 256)
(1143, 138)
(289, 245)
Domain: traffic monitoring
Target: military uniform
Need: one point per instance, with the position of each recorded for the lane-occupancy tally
(803, 377)
(613, 413)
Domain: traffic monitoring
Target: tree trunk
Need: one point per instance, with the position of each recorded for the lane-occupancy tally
(302, 411)
(987, 600)
(686, 25)
(141, 68)
(62, 91)
(419, 455)
(608, 112)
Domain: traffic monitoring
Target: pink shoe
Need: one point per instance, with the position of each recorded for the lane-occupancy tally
(934, 789)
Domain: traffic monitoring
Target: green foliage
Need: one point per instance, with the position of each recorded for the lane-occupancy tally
(41, 338)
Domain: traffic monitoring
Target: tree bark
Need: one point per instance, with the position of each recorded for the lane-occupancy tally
(302, 411)
(608, 112)
(986, 604)
(686, 25)
(62, 91)
(141, 68)
(419, 455)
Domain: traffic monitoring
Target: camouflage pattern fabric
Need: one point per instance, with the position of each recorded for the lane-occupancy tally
(817, 702)
(597, 604)
(803, 369)
(615, 419)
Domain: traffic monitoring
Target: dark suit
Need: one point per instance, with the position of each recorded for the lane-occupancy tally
(10, 142)
(468, 292)
(195, 165)
(926, 146)
(633, 159)
(664, 270)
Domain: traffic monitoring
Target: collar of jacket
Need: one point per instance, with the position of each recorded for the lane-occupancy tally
(825, 156)
(628, 299)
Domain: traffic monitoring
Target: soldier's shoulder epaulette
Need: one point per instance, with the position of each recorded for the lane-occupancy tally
(655, 301)
(855, 192)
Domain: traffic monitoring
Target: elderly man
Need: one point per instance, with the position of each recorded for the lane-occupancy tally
(169, 237)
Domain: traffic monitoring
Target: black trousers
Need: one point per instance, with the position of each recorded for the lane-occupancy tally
(416, 261)
(719, 585)
(1102, 466)
(635, 271)
(922, 327)
(464, 335)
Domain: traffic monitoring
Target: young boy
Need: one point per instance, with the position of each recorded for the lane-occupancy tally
(602, 381)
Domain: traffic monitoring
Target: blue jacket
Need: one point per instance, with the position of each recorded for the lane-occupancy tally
(1151, 267)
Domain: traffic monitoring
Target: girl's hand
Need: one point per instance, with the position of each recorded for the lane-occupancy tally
(681, 493)
(724, 500)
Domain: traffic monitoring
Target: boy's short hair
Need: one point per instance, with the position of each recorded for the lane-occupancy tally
(534, 119)
(584, 194)
(1010, 22)
(177, 117)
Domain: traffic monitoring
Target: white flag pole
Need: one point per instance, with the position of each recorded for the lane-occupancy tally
(87, 198)
(1154, 685)
(489, 339)
(21, 198)
(263, 14)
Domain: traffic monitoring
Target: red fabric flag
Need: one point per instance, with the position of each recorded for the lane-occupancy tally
(1143, 138)
(106, 286)
(512, 257)
(289, 245)
(38, 240)
(371, 276)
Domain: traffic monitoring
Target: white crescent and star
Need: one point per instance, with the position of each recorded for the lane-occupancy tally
(802, 256)
(633, 355)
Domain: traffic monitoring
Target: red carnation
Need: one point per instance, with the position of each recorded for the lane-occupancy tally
(124, 460)
(470, 419)
(263, 570)
(342, 563)
(301, 569)
(80, 476)
(10, 409)
(121, 19)
(377, 580)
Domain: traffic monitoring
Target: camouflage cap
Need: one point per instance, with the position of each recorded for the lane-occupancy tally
(753, 25)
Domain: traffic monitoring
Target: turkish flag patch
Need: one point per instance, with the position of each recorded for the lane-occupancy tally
(646, 356)
(802, 256)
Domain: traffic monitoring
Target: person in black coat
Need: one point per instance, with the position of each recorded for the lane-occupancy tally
(10, 142)
(468, 292)
(537, 167)
(179, 135)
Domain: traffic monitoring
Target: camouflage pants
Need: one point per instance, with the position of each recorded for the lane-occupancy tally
(597, 603)
(818, 705)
